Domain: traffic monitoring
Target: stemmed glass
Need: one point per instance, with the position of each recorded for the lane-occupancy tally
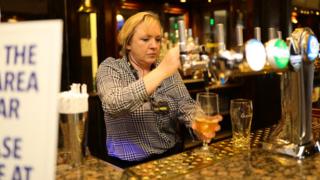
(204, 120)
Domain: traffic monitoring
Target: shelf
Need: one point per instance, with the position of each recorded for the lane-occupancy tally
(255, 73)
(221, 86)
(189, 81)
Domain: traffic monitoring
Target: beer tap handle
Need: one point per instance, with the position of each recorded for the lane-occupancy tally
(238, 55)
(182, 42)
(182, 36)
(239, 33)
(279, 34)
(271, 33)
(257, 33)
(220, 33)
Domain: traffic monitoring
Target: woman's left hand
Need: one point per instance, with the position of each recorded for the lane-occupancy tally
(207, 131)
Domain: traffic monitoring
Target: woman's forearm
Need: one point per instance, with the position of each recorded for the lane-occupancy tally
(153, 79)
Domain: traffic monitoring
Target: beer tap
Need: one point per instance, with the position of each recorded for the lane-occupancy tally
(229, 58)
(293, 135)
(309, 50)
(226, 61)
(255, 51)
(295, 51)
(277, 51)
(257, 33)
(244, 56)
(188, 64)
(184, 58)
(238, 51)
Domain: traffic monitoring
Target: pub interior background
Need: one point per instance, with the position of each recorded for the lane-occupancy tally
(200, 16)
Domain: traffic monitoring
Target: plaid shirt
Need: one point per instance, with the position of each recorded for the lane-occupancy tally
(134, 131)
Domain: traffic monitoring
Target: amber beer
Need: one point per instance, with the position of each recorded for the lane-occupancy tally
(204, 120)
(206, 124)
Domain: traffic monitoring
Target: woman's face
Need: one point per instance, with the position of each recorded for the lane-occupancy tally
(144, 46)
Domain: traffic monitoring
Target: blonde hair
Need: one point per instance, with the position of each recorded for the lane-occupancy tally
(126, 33)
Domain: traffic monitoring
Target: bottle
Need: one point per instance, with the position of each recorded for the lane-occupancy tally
(190, 40)
(88, 43)
(165, 45)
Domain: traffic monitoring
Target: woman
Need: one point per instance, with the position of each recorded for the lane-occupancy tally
(143, 99)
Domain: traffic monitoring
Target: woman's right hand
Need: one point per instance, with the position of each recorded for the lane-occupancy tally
(170, 62)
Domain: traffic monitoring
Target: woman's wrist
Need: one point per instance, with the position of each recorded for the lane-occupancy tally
(153, 79)
(162, 72)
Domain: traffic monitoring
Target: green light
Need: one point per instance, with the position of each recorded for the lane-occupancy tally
(281, 54)
(211, 21)
(175, 25)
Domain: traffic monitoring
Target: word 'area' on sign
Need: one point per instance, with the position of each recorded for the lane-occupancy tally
(16, 80)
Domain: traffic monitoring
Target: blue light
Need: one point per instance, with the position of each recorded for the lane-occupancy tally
(312, 48)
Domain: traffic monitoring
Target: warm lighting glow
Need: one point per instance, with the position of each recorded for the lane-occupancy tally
(13, 19)
(183, 1)
(94, 47)
(317, 13)
(209, 1)
(119, 17)
(120, 21)
(294, 19)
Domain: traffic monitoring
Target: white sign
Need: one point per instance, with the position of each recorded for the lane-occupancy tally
(30, 67)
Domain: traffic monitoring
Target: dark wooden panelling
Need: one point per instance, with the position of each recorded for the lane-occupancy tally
(272, 13)
(33, 7)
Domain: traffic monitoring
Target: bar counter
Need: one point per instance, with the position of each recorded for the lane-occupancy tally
(225, 163)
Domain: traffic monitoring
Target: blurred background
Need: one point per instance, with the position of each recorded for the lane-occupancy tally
(200, 16)
(90, 36)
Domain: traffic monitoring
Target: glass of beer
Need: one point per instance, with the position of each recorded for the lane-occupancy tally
(204, 121)
(241, 112)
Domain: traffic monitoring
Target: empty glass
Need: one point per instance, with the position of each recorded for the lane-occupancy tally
(241, 112)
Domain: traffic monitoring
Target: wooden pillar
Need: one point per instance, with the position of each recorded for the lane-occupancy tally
(110, 12)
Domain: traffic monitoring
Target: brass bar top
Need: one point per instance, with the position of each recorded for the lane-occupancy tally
(227, 163)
